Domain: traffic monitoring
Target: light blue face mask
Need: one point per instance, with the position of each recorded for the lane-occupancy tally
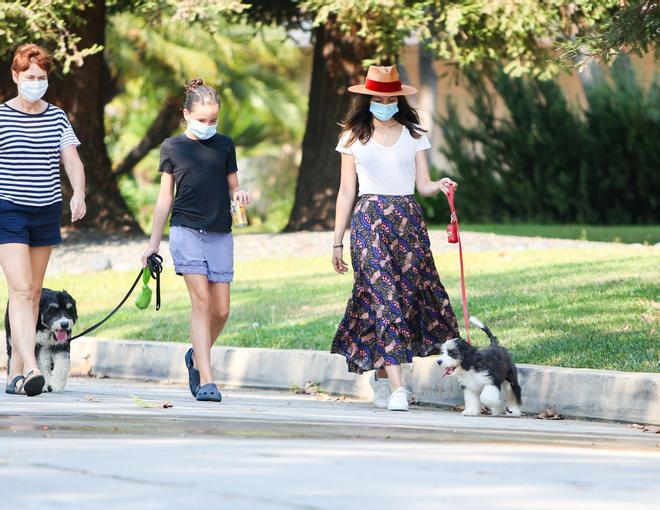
(383, 112)
(200, 130)
(33, 90)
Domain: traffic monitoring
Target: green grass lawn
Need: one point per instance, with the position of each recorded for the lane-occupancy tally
(578, 308)
(617, 233)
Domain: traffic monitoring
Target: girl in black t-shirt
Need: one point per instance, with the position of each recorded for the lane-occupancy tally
(200, 165)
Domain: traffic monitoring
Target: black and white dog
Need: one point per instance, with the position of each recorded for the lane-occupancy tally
(57, 316)
(485, 375)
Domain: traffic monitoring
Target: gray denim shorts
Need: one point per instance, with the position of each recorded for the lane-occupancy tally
(197, 251)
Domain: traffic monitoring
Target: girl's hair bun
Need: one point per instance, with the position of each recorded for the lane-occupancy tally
(194, 83)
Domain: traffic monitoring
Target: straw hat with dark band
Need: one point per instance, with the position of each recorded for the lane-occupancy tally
(383, 81)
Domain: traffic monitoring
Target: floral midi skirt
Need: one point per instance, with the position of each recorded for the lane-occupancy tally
(398, 308)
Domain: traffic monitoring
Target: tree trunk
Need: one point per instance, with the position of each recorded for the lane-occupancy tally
(337, 63)
(81, 95)
(426, 98)
(167, 120)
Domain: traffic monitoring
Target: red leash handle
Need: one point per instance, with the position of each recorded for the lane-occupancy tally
(453, 236)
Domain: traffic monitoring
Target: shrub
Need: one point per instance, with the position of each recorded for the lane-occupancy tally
(548, 162)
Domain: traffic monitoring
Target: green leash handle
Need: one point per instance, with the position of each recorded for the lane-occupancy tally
(143, 298)
(152, 270)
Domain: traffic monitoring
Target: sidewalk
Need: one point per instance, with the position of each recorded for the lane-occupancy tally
(583, 393)
(93, 447)
(105, 407)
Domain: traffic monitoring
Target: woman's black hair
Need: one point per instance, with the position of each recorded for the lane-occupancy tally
(359, 120)
(198, 93)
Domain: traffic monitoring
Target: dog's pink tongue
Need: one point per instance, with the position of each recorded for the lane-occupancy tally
(61, 335)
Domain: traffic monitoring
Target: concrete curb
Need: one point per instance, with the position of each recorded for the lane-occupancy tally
(584, 393)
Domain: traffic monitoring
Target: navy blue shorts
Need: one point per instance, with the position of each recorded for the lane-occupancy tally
(31, 225)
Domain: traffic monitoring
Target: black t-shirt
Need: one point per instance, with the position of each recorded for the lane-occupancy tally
(200, 169)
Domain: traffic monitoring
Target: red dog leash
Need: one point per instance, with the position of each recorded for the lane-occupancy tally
(453, 236)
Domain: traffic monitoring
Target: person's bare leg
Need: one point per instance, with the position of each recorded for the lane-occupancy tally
(16, 265)
(200, 322)
(394, 376)
(219, 309)
(39, 257)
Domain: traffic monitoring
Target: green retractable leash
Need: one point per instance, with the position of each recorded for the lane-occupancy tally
(152, 270)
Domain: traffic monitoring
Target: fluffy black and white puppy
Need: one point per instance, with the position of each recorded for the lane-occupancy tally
(57, 316)
(485, 375)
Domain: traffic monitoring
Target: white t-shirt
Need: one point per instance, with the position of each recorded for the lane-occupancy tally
(385, 170)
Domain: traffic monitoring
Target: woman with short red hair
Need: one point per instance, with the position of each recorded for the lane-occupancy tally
(35, 137)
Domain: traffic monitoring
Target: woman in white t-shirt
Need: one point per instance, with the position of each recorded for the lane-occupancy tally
(398, 308)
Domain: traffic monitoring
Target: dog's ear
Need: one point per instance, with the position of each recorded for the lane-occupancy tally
(463, 346)
(467, 354)
(74, 311)
(68, 298)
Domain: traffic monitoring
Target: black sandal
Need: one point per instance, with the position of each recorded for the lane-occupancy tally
(208, 393)
(33, 384)
(193, 373)
(12, 388)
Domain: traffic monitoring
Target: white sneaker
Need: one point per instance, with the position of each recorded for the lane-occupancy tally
(398, 400)
(382, 391)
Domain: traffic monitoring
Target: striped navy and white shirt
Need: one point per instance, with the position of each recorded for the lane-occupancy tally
(30, 149)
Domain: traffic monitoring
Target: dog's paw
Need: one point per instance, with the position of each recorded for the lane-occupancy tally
(48, 388)
(471, 412)
(513, 412)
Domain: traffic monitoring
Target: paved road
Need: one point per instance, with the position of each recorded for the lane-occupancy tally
(94, 447)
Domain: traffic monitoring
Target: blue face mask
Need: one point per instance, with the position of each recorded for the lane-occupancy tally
(33, 90)
(383, 112)
(200, 130)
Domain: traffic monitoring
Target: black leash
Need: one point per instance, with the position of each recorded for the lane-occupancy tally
(155, 265)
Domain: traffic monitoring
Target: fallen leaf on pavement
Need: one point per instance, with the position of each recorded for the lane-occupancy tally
(90, 398)
(645, 428)
(550, 414)
(328, 398)
(150, 405)
(142, 403)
